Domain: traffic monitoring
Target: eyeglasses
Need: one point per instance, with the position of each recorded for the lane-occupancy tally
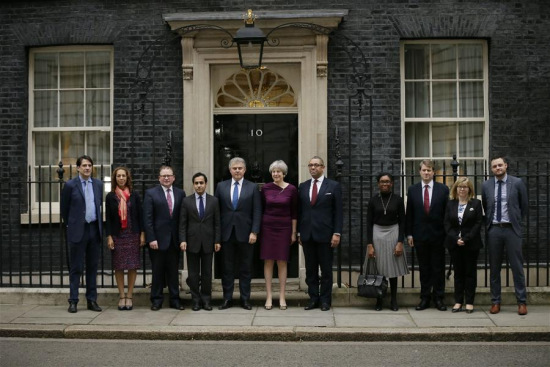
(314, 165)
(166, 176)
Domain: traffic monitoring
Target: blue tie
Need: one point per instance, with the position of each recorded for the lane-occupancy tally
(499, 201)
(201, 207)
(235, 200)
(90, 206)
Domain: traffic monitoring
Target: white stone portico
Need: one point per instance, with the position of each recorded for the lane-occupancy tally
(300, 54)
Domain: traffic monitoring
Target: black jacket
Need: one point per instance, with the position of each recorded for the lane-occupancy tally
(112, 220)
(470, 229)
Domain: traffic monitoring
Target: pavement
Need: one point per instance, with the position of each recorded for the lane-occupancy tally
(341, 323)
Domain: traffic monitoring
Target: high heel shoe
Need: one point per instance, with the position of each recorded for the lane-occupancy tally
(469, 308)
(131, 306)
(457, 308)
(123, 307)
(282, 307)
(268, 306)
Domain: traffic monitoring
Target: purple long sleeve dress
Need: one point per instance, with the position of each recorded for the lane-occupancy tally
(280, 207)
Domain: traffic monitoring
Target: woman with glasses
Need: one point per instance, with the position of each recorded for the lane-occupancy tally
(463, 219)
(385, 234)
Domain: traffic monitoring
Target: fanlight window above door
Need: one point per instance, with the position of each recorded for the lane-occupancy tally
(255, 89)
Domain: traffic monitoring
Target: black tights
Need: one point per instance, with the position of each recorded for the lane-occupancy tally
(393, 287)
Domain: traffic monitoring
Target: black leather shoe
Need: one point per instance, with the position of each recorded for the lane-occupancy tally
(378, 306)
(393, 305)
(196, 306)
(156, 307)
(246, 305)
(206, 306)
(177, 306)
(311, 306)
(72, 307)
(227, 303)
(92, 306)
(424, 304)
(440, 306)
(325, 307)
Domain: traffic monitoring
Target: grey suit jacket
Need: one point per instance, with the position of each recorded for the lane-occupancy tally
(200, 233)
(517, 200)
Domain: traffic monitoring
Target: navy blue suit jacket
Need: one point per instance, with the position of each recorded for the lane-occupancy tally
(517, 200)
(319, 222)
(248, 215)
(426, 227)
(159, 226)
(73, 207)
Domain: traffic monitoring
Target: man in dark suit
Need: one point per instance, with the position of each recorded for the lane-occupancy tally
(505, 202)
(200, 236)
(320, 223)
(161, 211)
(81, 201)
(241, 214)
(426, 203)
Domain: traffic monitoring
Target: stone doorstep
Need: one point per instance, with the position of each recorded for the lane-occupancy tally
(407, 297)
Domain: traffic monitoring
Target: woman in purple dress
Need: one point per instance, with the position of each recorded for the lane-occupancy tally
(124, 228)
(278, 231)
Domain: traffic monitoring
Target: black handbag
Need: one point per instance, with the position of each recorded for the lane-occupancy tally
(371, 284)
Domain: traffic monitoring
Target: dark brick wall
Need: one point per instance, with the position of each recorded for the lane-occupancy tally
(519, 73)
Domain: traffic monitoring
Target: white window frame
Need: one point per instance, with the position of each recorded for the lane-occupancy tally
(430, 120)
(53, 215)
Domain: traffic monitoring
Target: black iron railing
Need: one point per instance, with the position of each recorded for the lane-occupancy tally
(358, 189)
(33, 250)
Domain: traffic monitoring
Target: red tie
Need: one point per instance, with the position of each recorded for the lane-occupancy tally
(426, 200)
(314, 193)
(169, 200)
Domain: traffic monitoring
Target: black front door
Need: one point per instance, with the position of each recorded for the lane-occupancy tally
(259, 140)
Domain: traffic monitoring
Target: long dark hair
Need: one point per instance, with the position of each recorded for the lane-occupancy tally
(129, 184)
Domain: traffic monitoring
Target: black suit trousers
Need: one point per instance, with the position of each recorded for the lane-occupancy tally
(465, 273)
(199, 278)
(237, 253)
(165, 266)
(318, 255)
(431, 262)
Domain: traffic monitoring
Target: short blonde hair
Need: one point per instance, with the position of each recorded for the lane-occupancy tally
(280, 165)
(462, 181)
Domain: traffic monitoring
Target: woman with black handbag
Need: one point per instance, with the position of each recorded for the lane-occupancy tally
(385, 233)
